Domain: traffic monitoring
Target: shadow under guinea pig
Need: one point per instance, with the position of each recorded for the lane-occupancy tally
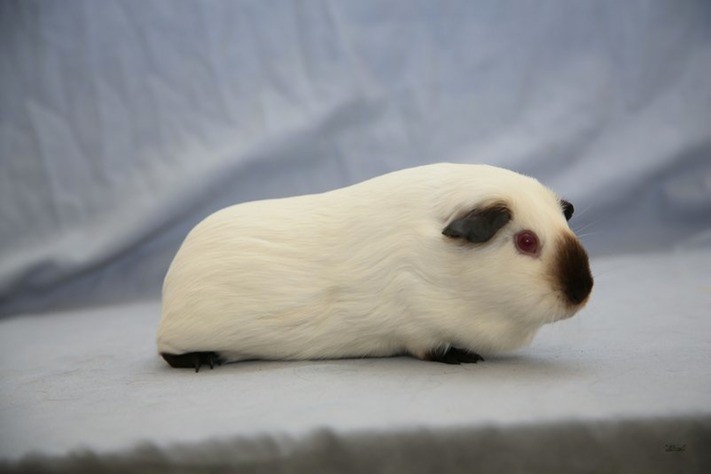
(509, 366)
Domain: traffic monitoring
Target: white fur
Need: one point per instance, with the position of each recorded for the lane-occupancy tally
(365, 271)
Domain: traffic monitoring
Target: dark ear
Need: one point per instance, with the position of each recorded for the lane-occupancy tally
(568, 209)
(480, 225)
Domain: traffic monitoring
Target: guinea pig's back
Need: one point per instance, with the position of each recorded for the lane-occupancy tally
(265, 273)
(239, 267)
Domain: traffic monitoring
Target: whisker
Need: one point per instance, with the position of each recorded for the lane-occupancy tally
(588, 234)
(589, 224)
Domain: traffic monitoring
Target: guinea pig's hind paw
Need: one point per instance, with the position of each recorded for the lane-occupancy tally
(192, 360)
(455, 356)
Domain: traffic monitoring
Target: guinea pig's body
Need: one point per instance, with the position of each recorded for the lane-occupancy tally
(425, 261)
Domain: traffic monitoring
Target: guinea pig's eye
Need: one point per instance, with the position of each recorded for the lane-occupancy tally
(527, 242)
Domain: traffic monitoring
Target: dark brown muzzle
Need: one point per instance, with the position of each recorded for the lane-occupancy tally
(572, 270)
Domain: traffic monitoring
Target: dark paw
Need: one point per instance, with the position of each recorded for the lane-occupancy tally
(455, 356)
(192, 360)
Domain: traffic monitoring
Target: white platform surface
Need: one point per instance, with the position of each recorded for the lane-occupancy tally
(91, 380)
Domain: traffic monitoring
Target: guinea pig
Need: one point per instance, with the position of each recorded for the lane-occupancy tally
(441, 262)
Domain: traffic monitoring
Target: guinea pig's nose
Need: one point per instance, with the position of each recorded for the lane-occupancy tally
(579, 288)
(573, 270)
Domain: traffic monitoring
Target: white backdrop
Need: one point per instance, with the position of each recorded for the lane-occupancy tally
(123, 123)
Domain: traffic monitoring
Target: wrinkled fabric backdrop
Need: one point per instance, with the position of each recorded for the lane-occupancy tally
(124, 123)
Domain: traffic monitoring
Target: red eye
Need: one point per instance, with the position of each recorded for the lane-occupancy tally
(527, 242)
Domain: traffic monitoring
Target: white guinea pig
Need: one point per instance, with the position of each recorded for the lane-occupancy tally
(440, 261)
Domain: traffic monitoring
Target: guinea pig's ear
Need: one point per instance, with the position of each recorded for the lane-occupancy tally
(568, 209)
(479, 225)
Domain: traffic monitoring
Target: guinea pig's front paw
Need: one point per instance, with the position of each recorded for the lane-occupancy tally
(455, 356)
(192, 360)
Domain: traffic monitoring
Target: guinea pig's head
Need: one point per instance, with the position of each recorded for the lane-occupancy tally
(517, 254)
